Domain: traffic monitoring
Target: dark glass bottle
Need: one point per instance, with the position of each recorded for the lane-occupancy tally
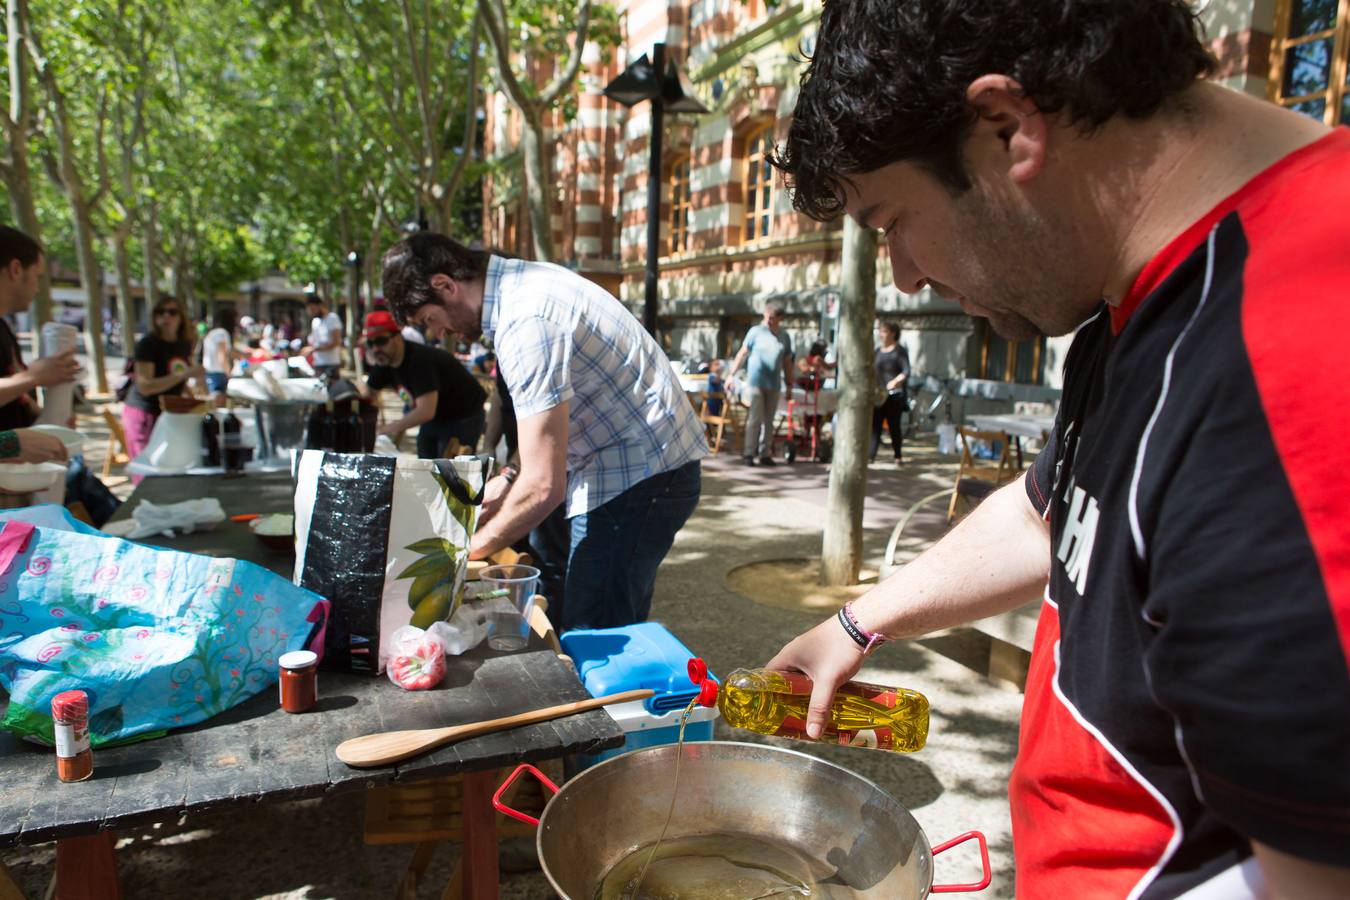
(328, 428)
(314, 430)
(210, 440)
(233, 452)
(353, 437)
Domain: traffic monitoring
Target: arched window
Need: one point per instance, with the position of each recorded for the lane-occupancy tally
(758, 184)
(680, 210)
(1312, 43)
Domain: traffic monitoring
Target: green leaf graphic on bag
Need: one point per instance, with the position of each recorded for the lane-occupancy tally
(433, 574)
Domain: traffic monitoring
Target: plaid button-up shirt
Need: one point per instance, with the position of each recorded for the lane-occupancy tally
(560, 338)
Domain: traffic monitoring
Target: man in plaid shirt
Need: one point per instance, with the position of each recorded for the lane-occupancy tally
(604, 425)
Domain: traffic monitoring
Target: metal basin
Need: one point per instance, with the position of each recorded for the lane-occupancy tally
(870, 844)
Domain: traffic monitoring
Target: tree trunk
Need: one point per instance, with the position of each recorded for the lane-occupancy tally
(149, 248)
(20, 185)
(91, 277)
(18, 177)
(125, 307)
(841, 550)
(537, 184)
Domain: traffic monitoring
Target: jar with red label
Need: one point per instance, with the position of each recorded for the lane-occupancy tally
(70, 722)
(299, 680)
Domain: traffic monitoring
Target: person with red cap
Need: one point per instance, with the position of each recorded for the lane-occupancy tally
(447, 400)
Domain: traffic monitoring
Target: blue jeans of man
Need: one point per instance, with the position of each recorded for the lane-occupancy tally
(618, 546)
(434, 435)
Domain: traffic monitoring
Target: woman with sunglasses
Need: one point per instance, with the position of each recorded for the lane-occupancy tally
(163, 365)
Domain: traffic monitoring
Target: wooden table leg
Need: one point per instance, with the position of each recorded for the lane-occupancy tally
(8, 889)
(480, 836)
(86, 868)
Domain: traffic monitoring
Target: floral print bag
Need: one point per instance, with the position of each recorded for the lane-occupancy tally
(157, 638)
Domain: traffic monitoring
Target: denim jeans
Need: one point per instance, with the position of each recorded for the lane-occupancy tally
(434, 435)
(617, 548)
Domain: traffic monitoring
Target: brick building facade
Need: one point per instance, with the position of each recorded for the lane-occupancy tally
(730, 239)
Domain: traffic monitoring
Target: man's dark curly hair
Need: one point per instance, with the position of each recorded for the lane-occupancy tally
(409, 265)
(888, 78)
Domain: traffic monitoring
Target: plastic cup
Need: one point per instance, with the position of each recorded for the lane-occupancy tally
(508, 621)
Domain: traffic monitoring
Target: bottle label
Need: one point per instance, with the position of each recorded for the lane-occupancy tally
(71, 740)
(876, 699)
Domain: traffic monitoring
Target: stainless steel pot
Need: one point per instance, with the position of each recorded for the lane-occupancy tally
(827, 814)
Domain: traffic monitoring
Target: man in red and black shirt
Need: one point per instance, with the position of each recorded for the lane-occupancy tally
(1058, 165)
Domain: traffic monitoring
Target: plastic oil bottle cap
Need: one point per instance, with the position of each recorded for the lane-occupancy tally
(698, 670)
(707, 693)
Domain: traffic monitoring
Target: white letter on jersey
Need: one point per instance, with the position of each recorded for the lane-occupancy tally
(1075, 543)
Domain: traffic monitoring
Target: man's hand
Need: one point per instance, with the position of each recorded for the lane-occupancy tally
(829, 657)
(38, 447)
(51, 370)
(494, 492)
(197, 373)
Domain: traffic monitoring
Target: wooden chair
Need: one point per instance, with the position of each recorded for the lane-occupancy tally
(715, 424)
(117, 453)
(977, 478)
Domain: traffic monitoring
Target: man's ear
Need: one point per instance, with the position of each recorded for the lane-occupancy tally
(442, 282)
(1010, 132)
(15, 269)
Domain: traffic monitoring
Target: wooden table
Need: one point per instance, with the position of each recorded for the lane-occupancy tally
(257, 753)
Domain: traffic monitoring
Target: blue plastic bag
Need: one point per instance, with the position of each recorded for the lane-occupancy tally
(157, 638)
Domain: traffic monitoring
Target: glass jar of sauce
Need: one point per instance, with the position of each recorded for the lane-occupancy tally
(299, 680)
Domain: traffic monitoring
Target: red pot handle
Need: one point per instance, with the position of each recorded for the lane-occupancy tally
(501, 807)
(984, 861)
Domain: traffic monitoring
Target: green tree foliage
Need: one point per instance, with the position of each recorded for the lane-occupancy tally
(217, 142)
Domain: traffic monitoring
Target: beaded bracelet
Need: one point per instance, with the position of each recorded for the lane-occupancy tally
(9, 444)
(861, 636)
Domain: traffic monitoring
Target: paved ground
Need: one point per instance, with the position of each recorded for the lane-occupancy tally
(313, 849)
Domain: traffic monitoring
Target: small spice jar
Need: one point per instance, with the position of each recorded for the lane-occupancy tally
(299, 680)
(70, 718)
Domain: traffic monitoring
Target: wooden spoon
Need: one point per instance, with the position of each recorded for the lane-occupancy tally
(393, 746)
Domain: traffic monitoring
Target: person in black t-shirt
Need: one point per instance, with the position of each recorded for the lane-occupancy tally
(447, 400)
(892, 364)
(163, 365)
(21, 264)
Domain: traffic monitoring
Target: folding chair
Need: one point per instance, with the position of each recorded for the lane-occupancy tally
(715, 423)
(977, 478)
(117, 453)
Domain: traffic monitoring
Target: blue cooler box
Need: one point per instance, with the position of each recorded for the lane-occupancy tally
(646, 655)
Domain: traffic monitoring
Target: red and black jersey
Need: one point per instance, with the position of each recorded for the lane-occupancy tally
(1189, 690)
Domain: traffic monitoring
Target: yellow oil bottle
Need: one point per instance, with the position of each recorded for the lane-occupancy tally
(775, 703)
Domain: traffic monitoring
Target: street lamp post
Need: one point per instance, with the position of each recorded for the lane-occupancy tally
(666, 87)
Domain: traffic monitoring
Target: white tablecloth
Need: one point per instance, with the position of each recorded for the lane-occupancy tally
(1020, 425)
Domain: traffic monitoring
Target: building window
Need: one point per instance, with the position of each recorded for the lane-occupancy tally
(1309, 75)
(758, 184)
(680, 210)
(1015, 361)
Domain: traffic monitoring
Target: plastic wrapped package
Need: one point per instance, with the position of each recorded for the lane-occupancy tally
(416, 659)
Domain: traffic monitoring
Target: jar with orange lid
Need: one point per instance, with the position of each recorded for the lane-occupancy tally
(70, 722)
